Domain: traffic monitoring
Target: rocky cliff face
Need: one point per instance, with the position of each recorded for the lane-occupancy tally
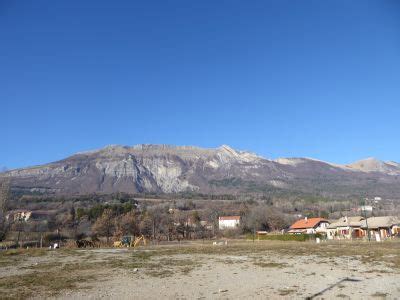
(170, 169)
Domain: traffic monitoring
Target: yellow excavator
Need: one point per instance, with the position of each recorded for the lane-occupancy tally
(128, 241)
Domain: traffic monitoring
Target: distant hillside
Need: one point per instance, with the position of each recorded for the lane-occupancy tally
(174, 169)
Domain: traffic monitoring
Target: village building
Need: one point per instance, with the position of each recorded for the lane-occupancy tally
(365, 208)
(381, 227)
(19, 215)
(29, 215)
(346, 228)
(309, 226)
(228, 222)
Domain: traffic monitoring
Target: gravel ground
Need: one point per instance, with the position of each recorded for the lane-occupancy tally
(250, 276)
(217, 272)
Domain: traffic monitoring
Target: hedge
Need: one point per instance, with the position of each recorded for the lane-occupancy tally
(286, 237)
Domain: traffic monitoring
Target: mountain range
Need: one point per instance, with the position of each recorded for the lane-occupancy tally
(223, 170)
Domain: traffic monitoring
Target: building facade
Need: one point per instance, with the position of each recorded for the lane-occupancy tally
(228, 222)
(346, 228)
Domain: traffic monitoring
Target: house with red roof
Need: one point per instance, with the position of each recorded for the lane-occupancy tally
(309, 226)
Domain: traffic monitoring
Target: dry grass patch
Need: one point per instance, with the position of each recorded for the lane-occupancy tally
(14, 257)
(153, 265)
(40, 283)
(268, 264)
(379, 295)
(159, 273)
(342, 296)
(47, 276)
(286, 291)
(33, 252)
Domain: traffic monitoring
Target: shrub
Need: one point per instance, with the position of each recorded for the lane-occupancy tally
(53, 237)
(230, 233)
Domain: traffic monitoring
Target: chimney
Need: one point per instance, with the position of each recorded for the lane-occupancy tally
(305, 219)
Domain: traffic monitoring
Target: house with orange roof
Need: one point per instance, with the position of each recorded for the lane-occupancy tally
(309, 226)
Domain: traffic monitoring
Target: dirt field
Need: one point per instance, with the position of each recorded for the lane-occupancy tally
(240, 269)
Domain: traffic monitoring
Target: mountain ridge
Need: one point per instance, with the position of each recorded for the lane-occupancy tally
(149, 168)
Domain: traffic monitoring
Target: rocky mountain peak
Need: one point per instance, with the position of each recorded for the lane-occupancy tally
(174, 169)
(372, 164)
(226, 152)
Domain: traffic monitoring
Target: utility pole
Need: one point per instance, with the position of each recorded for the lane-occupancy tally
(366, 220)
(19, 227)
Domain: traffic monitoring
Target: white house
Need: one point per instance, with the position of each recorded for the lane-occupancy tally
(346, 228)
(228, 222)
(19, 215)
(365, 208)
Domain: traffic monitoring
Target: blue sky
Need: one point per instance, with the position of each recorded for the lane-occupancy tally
(280, 78)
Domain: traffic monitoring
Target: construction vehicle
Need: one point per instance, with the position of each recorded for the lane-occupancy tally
(128, 241)
(138, 240)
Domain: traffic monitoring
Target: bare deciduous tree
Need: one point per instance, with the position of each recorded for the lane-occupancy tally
(104, 225)
(265, 218)
(156, 216)
(4, 201)
(127, 224)
(146, 225)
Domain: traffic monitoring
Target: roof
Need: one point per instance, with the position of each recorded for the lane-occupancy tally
(347, 222)
(307, 223)
(380, 222)
(229, 218)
